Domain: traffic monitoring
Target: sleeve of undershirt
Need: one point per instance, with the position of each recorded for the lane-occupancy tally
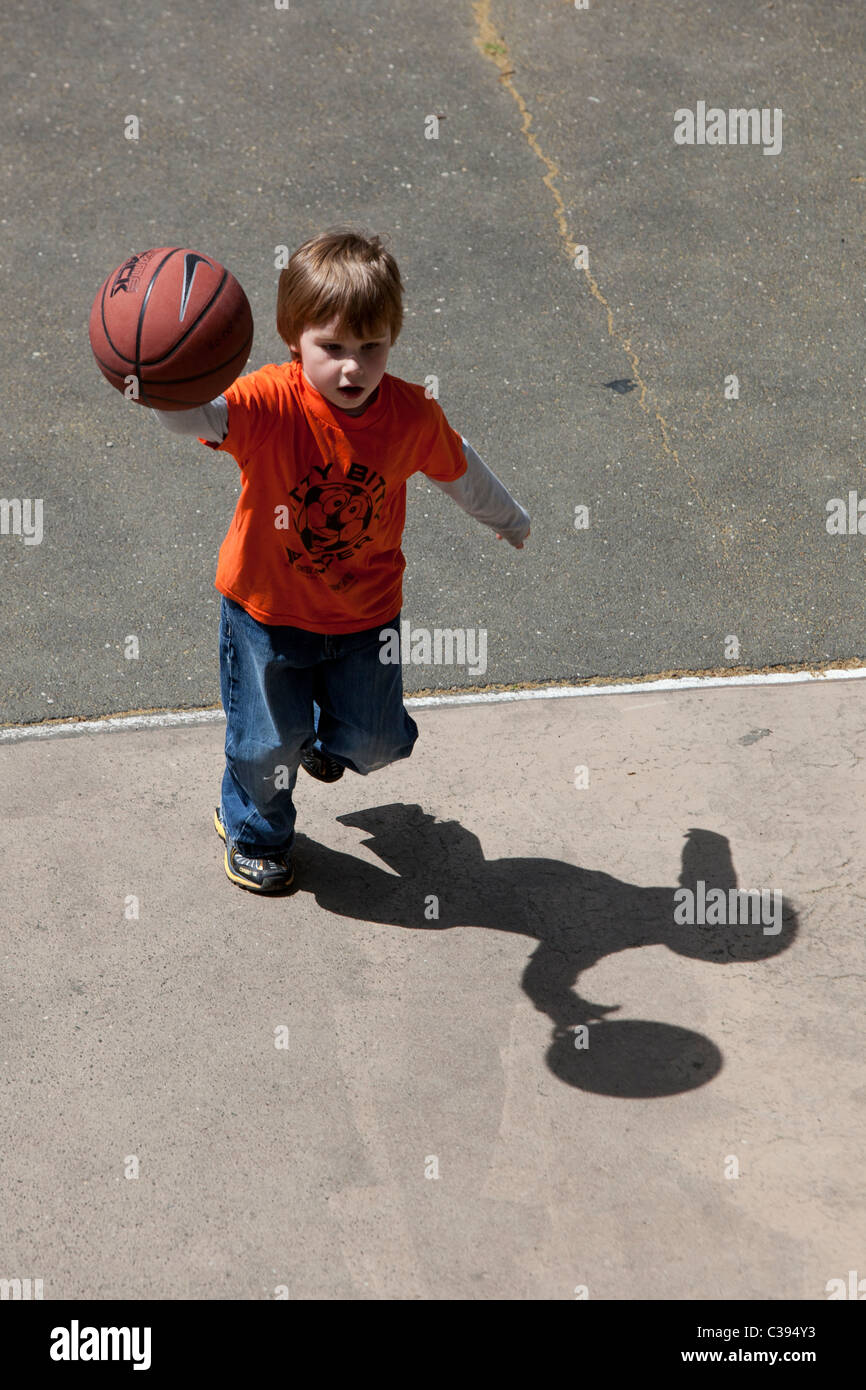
(481, 494)
(207, 422)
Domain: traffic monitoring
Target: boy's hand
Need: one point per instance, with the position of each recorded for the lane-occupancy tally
(518, 545)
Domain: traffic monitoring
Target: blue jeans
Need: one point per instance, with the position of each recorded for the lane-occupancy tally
(285, 690)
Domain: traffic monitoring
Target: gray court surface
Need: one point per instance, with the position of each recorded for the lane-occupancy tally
(707, 516)
(336, 1093)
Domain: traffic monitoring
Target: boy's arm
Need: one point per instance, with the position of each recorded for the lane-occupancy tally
(480, 493)
(208, 422)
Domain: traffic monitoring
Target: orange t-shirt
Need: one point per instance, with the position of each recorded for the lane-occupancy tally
(315, 538)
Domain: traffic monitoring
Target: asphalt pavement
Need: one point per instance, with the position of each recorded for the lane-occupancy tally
(601, 387)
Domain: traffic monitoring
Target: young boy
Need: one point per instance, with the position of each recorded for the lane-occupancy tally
(311, 567)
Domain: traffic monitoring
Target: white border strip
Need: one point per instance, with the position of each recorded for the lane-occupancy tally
(124, 723)
(554, 692)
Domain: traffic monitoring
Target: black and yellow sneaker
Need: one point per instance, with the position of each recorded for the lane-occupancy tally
(320, 766)
(268, 872)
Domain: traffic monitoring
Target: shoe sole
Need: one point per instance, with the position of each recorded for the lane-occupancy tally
(318, 776)
(243, 882)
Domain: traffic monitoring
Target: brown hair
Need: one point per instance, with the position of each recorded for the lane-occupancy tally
(342, 272)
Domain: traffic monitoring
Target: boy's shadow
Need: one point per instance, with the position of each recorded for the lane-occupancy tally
(578, 915)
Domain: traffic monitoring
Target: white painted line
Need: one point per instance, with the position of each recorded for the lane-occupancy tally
(556, 692)
(122, 724)
(181, 718)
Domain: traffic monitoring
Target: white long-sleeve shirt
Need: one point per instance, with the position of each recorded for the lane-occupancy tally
(478, 492)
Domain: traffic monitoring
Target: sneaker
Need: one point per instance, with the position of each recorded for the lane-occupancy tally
(269, 872)
(319, 765)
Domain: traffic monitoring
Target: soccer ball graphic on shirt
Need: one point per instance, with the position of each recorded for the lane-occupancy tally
(334, 515)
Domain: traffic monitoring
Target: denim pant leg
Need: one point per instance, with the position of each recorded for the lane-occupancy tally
(266, 682)
(361, 720)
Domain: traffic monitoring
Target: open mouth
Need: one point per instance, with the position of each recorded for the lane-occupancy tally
(350, 390)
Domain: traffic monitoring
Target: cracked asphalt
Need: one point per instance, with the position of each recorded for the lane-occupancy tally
(706, 546)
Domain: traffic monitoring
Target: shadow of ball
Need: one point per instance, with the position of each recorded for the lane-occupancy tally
(635, 1059)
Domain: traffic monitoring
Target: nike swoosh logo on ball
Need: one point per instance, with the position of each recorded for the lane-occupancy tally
(190, 266)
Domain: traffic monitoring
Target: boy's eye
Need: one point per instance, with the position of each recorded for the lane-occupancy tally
(331, 346)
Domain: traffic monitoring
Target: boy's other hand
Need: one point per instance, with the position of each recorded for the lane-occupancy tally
(518, 545)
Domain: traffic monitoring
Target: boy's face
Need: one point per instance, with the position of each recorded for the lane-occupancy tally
(333, 358)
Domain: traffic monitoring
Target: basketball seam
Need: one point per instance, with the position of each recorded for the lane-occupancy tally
(141, 313)
(155, 361)
(182, 380)
(122, 355)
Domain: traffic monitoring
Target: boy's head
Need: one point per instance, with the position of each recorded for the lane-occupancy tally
(340, 311)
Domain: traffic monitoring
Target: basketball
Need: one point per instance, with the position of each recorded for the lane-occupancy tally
(171, 328)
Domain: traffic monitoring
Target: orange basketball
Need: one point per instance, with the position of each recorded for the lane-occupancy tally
(171, 328)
